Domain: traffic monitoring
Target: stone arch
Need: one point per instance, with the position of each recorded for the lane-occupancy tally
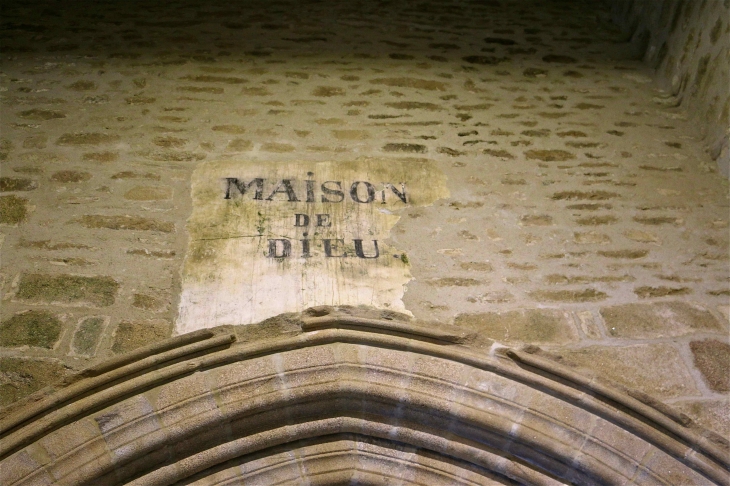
(346, 399)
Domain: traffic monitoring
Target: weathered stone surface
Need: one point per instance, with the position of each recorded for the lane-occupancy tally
(596, 220)
(667, 48)
(641, 236)
(31, 328)
(82, 85)
(148, 193)
(559, 58)
(411, 83)
(647, 291)
(174, 156)
(657, 220)
(100, 156)
(351, 134)
(584, 295)
(35, 142)
(49, 245)
(232, 129)
(591, 238)
(87, 336)
(628, 254)
(536, 220)
(657, 320)
(67, 289)
(477, 266)
(278, 147)
(712, 358)
(11, 184)
(485, 60)
(712, 414)
(656, 369)
(131, 335)
(140, 100)
(561, 279)
(455, 282)
(87, 138)
(13, 209)
(40, 115)
(152, 253)
(126, 223)
(414, 105)
(327, 91)
(128, 174)
(169, 142)
(549, 155)
(405, 147)
(206, 78)
(584, 195)
(148, 302)
(239, 145)
(71, 176)
(528, 326)
(21, 377)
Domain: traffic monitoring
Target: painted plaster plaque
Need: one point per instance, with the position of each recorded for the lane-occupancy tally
(269, 238)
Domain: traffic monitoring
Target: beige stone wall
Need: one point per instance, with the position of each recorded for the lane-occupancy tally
(688, 43)
(583, 215)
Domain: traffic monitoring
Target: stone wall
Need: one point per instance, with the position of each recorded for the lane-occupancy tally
(580, 213)
(688, 43)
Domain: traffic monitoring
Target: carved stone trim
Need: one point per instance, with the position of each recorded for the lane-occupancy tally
(203, 407)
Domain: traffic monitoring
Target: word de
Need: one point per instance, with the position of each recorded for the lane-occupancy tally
(302, 220)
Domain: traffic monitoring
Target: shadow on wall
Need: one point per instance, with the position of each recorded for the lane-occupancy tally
(688, 43)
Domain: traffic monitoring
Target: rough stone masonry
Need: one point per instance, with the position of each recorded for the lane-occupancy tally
(568, 201)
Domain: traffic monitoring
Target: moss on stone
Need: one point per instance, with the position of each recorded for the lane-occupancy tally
(71, 176)
(8, 184)
(126, 223)
(648, 292)
(37, 114)
(21, 377)
(549, 155)
(147, 302)
(148, 193)
(585, 295)
(88, 138)
(72, 289)
(132, 335)
(87, 336)
(405, 147)
(33, 328)
(416, 83)
(13, 209)
(455, 282)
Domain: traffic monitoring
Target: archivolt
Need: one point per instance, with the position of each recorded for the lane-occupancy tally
(347, 401)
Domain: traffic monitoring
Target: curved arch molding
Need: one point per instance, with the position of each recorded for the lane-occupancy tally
(343, 397)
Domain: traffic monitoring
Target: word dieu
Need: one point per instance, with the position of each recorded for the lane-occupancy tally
(333, 248)
(362, 192)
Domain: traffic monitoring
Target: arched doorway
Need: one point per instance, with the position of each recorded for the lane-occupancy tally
(346, 400)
